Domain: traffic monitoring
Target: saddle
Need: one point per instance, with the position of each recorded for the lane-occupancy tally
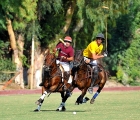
(65, 74)
(78, 60)
(91, 70)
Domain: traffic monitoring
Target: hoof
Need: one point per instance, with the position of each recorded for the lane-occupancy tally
(36, 110)
(61, 109)
(76, 103)
(92, 101)
(87, 99)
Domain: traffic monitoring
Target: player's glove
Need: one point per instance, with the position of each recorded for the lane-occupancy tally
(105, 54)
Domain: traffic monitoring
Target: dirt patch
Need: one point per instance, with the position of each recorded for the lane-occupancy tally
(14, 86)
(113, 83)
(11, 86)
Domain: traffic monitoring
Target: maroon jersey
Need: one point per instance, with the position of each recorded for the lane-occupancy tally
(65, 51)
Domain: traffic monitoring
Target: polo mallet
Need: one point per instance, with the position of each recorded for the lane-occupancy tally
(62, 41)
(106, 37)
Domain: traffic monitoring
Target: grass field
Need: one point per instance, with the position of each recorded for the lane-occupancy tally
(108, 106)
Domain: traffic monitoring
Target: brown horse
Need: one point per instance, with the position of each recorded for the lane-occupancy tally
(82, 74)
(53, 81)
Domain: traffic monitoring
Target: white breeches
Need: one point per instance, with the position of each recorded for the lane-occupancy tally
(92, 62)
(65, 65)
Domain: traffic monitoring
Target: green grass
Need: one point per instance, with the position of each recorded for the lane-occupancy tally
(108, 106)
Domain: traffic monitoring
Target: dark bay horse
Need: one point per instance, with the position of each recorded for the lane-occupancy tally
(53, 81)
(82, 73)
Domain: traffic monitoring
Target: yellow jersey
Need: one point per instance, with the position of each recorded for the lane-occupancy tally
(92, 48)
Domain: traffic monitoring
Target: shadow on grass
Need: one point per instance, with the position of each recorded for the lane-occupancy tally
(59, 111)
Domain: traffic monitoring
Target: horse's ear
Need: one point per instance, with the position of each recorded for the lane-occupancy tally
(48, 51)
(52, 51)
(45, 53)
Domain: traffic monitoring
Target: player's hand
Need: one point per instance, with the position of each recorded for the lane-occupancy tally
(63, 57)
(59, 49)
(87, 60)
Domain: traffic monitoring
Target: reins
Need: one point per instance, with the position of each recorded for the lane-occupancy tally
(53, 60)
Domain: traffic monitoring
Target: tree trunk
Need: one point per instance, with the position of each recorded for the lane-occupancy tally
(16, 53)
(76, 30)
(69, 15)
(38, 65)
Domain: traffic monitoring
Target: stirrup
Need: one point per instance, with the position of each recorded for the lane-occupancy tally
(90, 90)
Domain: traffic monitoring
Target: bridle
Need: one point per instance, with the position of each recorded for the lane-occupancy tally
(51, 70)
(48, 66)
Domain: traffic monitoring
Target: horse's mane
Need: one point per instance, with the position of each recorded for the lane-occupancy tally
(78, 57)
(78, 54)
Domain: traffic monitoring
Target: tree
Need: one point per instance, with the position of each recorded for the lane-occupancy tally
(128, 71)
(81, 19)
(17, 16)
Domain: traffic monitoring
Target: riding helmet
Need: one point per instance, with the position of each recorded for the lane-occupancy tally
(100, 35)
(68, 38)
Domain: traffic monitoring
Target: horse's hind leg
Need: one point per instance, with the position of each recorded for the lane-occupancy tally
(96, 94)
(94, 97)
(102, 75)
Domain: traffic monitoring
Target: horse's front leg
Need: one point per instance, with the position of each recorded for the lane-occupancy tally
(64, 97)
(80, 99)
(39, 106)
(39, 102)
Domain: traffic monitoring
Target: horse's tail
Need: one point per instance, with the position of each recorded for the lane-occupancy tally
(108, 74)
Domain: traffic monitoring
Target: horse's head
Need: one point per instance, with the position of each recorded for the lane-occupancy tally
(50, 61)
(78, 57)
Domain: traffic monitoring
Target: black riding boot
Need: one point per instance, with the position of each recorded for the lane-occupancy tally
(94, 77)
(41, 84)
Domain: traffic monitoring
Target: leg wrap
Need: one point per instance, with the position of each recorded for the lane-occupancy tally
(95, 95)
(68, 93)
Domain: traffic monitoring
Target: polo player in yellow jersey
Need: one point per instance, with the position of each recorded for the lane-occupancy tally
(91, 54)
